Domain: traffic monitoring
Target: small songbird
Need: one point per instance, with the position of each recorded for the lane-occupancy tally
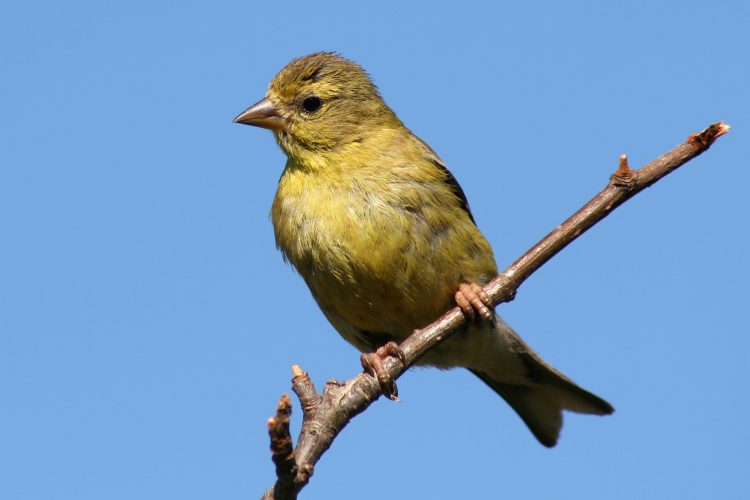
(382, 234)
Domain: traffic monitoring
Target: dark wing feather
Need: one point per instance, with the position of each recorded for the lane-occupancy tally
(456, 188)
(449, 179)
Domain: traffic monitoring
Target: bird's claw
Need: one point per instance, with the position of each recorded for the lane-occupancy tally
(472, 298)
(373, 364)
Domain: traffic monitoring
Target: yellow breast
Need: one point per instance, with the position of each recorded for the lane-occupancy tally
(383, 248)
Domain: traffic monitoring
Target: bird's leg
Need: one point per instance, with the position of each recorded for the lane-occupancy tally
(472, 298)
(372, 362)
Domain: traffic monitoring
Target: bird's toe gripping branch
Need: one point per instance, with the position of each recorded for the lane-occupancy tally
(373, 364)
(472, 299)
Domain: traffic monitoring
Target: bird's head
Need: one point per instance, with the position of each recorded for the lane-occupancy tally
(319, 103)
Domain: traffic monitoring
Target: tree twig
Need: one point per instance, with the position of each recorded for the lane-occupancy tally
(282, 451)
(326, 414)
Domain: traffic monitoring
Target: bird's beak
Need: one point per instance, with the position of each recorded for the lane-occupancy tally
(262, 114)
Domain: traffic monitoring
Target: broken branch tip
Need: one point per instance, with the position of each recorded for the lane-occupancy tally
(703, 139)
(624, 168)
(623, 177)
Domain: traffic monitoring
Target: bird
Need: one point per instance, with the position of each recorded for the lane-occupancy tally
(382, 234)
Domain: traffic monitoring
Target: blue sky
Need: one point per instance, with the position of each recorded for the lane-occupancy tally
(147, 323)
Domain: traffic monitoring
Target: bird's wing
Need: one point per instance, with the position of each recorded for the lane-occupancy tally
(449, 178)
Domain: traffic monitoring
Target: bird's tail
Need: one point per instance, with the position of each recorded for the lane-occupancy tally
(539, 401)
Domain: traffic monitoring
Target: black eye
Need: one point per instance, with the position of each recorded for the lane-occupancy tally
(311, 104)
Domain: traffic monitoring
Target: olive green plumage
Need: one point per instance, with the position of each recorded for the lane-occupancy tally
(382, 234)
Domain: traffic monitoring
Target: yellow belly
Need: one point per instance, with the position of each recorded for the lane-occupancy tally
(377, 256)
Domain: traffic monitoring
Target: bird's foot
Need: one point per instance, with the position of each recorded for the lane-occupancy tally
(372, 362)
(472, 299)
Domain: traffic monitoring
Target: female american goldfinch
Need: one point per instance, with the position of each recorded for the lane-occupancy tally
(383, 236)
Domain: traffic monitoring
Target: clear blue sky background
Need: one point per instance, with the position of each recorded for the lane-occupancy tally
(147, 323)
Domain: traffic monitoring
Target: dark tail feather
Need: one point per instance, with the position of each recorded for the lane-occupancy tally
(540, 406)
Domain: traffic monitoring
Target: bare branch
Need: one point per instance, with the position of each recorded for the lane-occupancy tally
(282, 451)
(326, 414)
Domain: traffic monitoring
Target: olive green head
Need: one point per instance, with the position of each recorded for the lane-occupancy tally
(320, 102)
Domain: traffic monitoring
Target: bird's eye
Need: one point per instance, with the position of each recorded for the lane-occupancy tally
(311, 104)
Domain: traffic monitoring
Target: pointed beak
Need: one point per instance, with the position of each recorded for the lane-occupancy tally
(262, 114)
